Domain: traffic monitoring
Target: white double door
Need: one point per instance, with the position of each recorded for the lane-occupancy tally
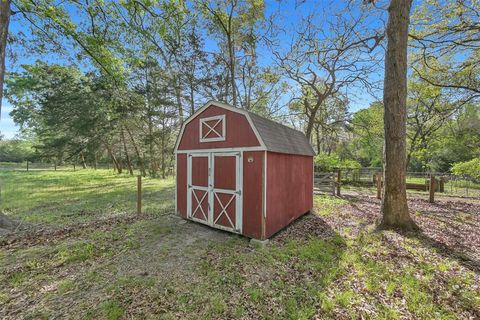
(214, 194)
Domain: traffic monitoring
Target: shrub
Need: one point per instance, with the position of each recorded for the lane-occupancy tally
(328, 163)
(470, 168)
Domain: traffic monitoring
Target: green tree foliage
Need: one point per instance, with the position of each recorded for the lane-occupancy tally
(130, 72)
(457, 141)
(328, 163)
(469, 168)
(235, 25)
(60, 106)
(447, 47)
(429, 108)
(366, 130)
(15, 150)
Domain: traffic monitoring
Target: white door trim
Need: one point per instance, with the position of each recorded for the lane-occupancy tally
(191, 188)
(211, 190)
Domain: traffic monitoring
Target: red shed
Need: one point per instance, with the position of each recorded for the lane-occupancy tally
(240, 172)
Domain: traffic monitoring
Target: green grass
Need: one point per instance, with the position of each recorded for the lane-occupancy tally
(81, 195)
(328, 205)
(160, 268)
(111, 310)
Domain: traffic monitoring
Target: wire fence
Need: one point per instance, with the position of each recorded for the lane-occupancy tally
(50, 166)
(364, 179)
(47, 196)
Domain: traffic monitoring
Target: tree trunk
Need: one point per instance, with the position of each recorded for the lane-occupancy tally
(310, 124)
(163, 150)
(317, 134)
(153, 169)
(4, 22)
(95, 162)
(137, 152)
(178, 97)
(116, 165)
(192, 101)
(394, 200)
(231, 57)
(129, 163)
(84, 164)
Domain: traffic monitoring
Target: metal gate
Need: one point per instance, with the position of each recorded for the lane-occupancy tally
(214, 194)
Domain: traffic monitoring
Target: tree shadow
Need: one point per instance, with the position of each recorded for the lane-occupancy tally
(447, 233)
(445, 250)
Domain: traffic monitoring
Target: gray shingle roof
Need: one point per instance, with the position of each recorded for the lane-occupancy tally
(280, 138)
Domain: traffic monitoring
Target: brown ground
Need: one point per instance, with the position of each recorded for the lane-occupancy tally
(144, 265)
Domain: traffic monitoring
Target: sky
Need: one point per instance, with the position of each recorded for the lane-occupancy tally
(7, 127)
(289, 13)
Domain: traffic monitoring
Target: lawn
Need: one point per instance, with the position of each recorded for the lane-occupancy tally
(114, 264)
(66, 196)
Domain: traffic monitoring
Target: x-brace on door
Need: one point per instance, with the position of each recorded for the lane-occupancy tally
(214, 192)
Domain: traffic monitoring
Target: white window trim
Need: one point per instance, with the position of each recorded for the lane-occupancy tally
(203, 121)
(262, 146)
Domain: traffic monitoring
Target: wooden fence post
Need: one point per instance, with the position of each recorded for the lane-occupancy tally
(432, 189)
(27, 165)
(339, 181)
(379, 185)
(442, 184)
(139, 194)
(334, 184)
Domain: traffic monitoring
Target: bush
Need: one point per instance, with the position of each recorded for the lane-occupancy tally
(469, 168)
(328, 163)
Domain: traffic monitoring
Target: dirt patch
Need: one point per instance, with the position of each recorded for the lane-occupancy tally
(165, 250)
(37, 234)
(329, 265)
(9, 226)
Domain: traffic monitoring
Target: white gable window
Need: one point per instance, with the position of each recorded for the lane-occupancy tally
(212, 129)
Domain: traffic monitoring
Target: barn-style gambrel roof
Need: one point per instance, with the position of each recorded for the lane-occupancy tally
(280, 138)
(273, 136)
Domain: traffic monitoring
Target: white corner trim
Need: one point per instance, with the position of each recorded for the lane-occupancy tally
(265, 191)
(224, 106)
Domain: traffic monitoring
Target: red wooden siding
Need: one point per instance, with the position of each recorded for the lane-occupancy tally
(238, 131)
(289, 189)
(224, 173)
(200, 171)
(182, 185)
(252, 193)
(199, 201)
(225, 177)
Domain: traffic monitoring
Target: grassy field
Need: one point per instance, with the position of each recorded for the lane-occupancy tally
(114, 264)
(67, 196)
